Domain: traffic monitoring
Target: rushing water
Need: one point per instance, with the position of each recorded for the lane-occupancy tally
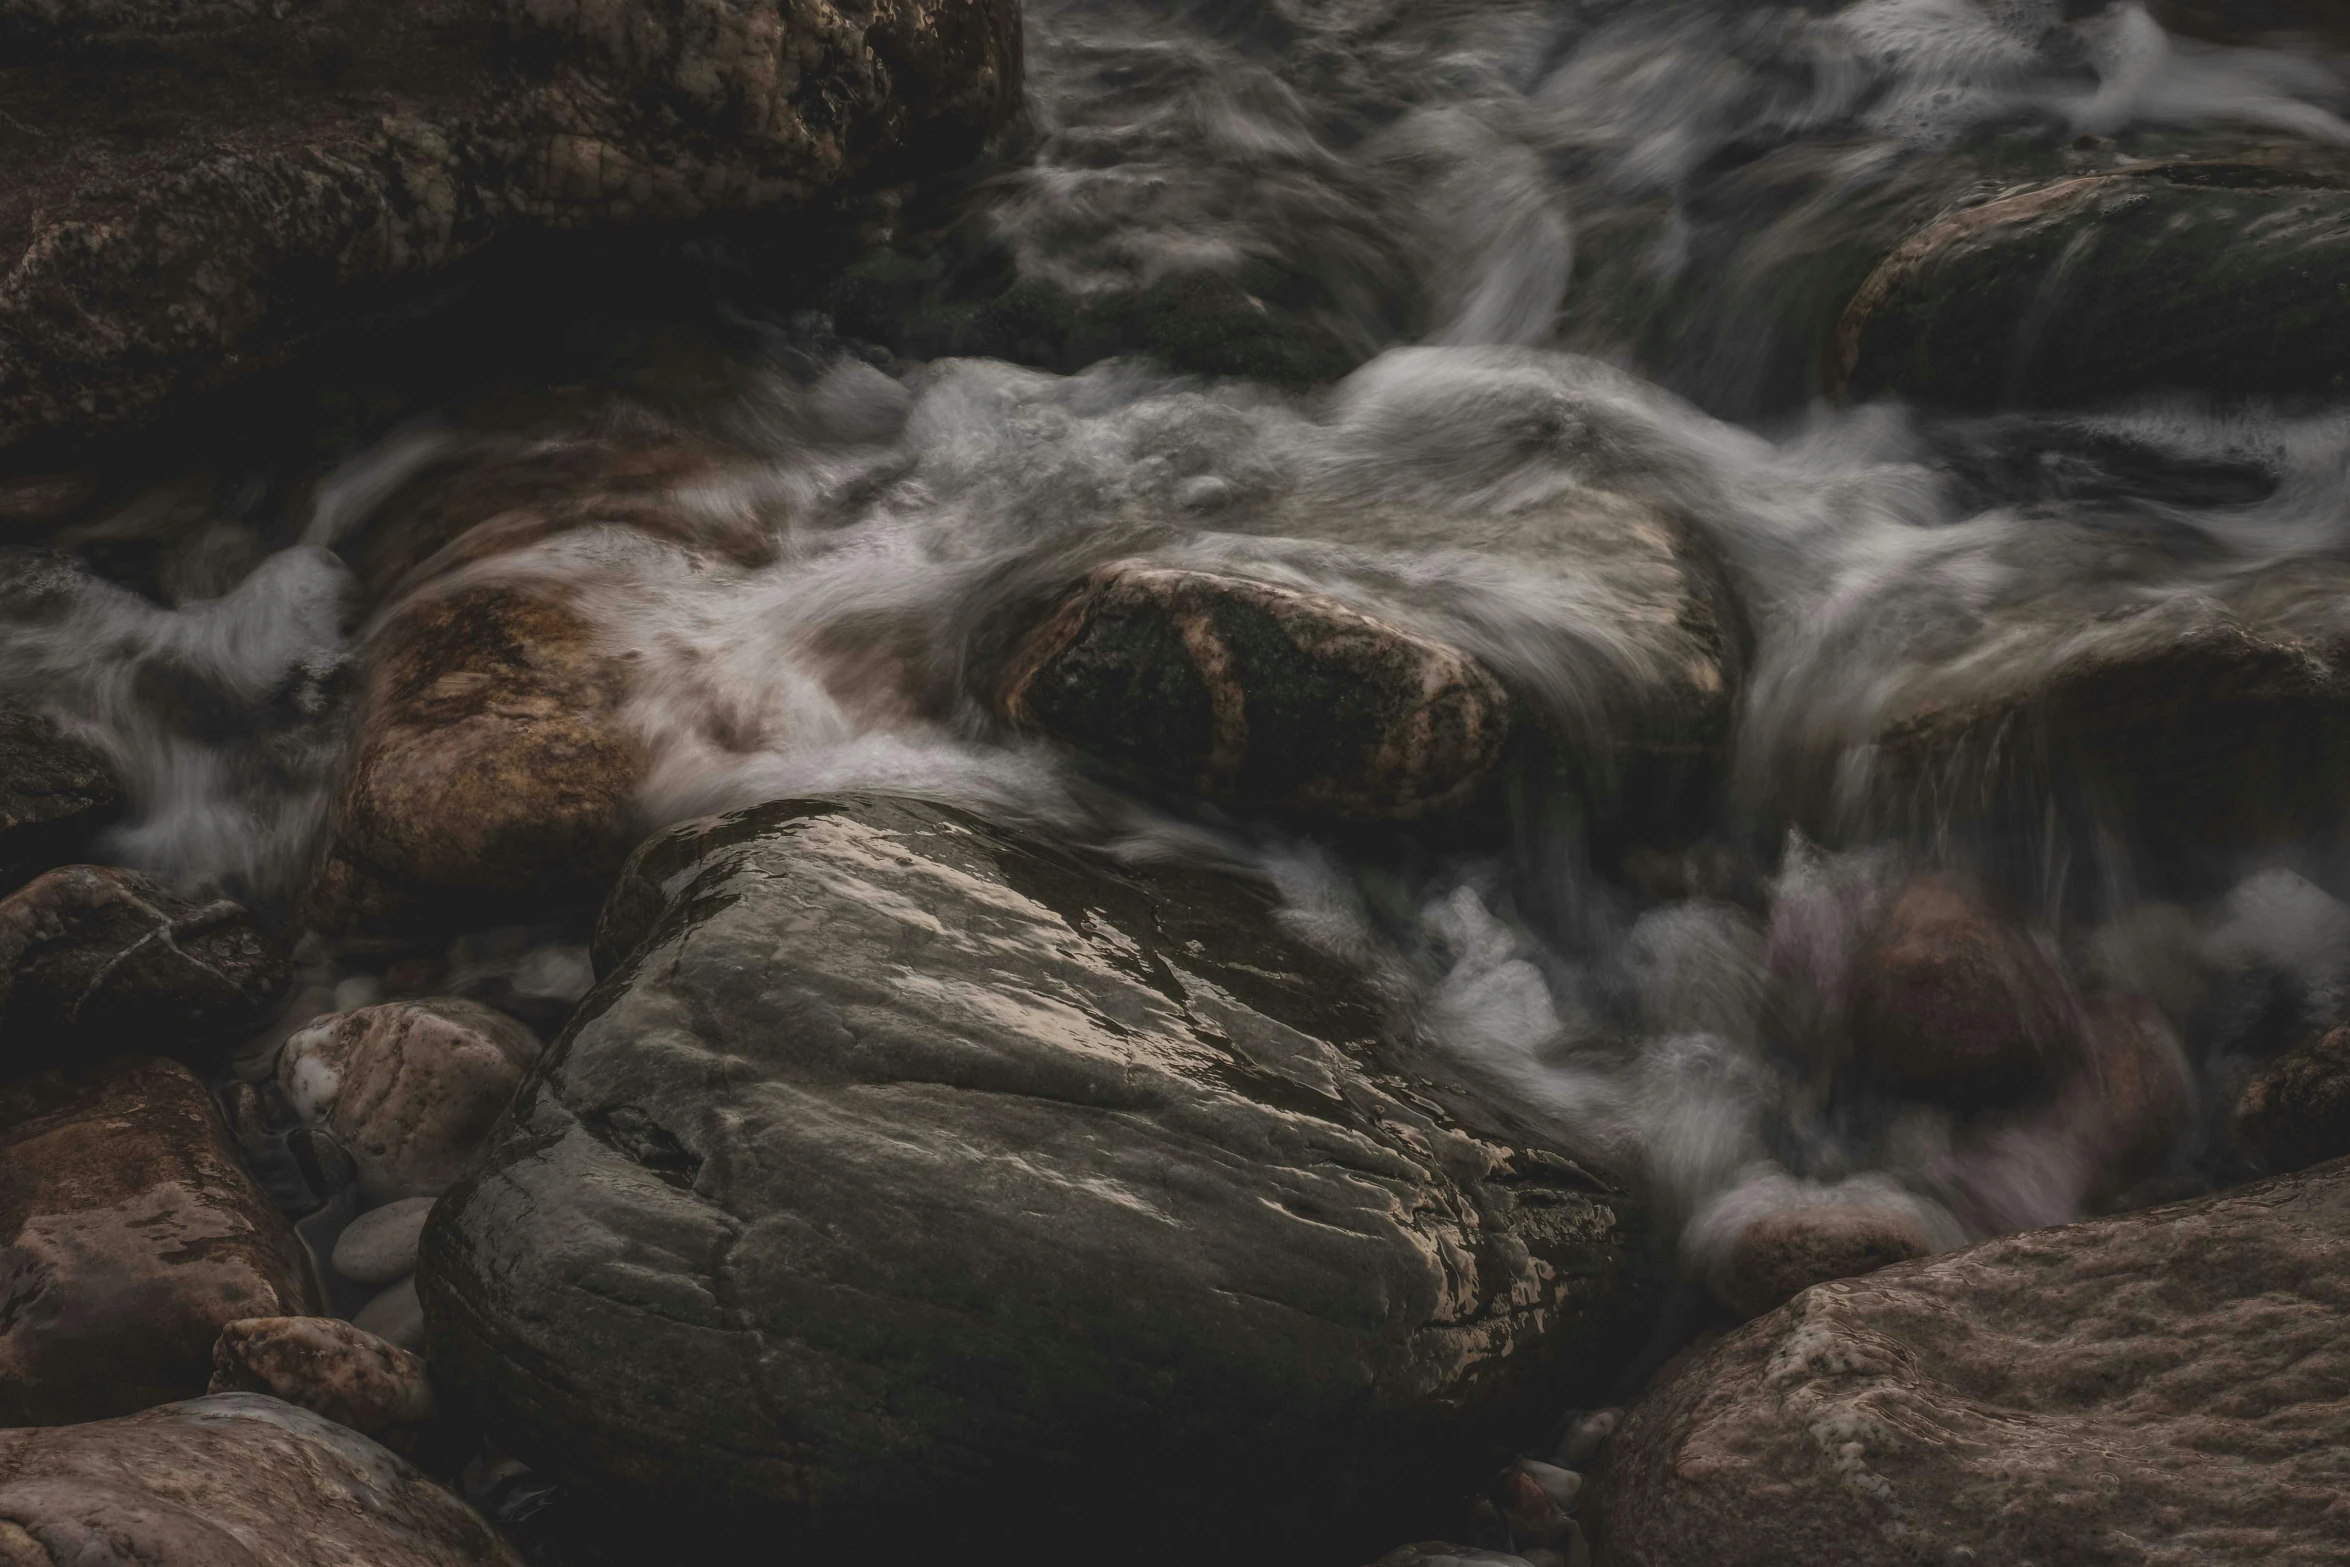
(1580, 247)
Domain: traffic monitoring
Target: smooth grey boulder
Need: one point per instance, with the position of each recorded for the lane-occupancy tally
(907, 1173)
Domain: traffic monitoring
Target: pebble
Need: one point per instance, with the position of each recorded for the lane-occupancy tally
(379, 1246)
(396, 1316)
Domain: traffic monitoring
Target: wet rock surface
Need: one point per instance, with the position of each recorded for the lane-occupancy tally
(2296, 1110)
(290, 167)
(492, 778)
(96, 958)
(409, 1089)
(2209, 275)
(332, 1368)
(2162, 1386)
(56, 792)
(232, 1480)
(905, 1168)
(133, 1237)
(1780, 1255)
(1249, 693)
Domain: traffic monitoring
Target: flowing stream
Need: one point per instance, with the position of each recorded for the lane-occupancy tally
(1565, 257)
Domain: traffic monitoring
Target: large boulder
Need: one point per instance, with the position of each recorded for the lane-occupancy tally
(2216, 276)
(1254, 694)
(493, 779)
(287, 161)
(55, 793)
(94, 959)
(910, 1174)
(131, 1237)
(233, 1480)
(2166, 1386)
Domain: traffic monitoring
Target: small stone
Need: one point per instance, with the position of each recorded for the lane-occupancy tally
(94, 955)
(1562, 1486)
(2296, 1110)
(330, 1367)
(132, 1236)
(2133, 1092)
(411, 1088)
(1586, 1434)
(1251, 694)
(1952, 1002)
(248, 1120)
(396, 1316)
(326, 1166)
(1780, 1255)
(1534, 1516)
(380, 1245)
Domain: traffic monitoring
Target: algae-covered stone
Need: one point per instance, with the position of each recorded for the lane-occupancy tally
(912, 1175)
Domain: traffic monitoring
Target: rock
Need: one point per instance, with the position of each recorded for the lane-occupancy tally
(1780, 1255)
(288, 167)
(905, 1172)
(2133, 1093)
(132, 1237)
(1952, 1002)
(1251, 694)
(2214, 276)
(95, 958)
(2069, 703)
(233, 1480)
(2296, 1110)
(396, 1316)
(410, 1088)
(1435, 1553)
(380, 1245)
(492, 781)
(331, 1368)
(56, 792)
(2274, 24)
(2163, 1386)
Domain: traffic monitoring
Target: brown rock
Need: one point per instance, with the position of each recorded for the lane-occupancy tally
(2166, 1386)
(2133, 1091)
(331, 1368)
(492, 780)
(287, 162)
(233, 1480)
(2275, 24)
(1780, 1255)
(133, 1236)
(1953, 1002)
(410, 1089)
(2296, 1110)
(1251, 694)
(95, 958)
(55, 793)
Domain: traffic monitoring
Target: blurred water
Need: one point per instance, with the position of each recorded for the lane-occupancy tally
(1433, 171)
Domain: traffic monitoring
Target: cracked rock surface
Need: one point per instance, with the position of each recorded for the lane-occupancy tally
(905, 1170)
(2171, 1385)
(290, 163)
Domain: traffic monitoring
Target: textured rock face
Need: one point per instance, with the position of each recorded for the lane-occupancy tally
(492, 778)
(94, 958)
(55, 792)
(905, 1173)
(288, 157)
(410, 1089)
(2168, 1386)
(331, 1368)
(2296, 1110)
(1781, 1255)
(1252, 694)
(2214, 276)
(132, 1237)
(234, 1480)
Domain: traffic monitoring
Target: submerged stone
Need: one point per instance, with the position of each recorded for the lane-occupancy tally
(910, 1174)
